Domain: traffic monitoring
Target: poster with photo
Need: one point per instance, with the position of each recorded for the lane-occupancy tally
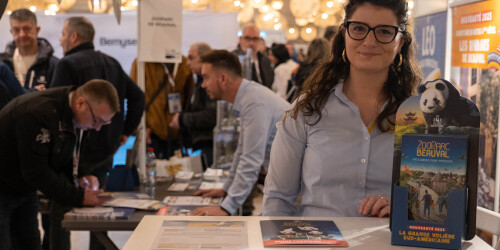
(430, 34)
(432, 166)
(475, 53)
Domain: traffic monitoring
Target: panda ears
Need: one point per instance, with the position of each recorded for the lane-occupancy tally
(421, 89)
(440, 86)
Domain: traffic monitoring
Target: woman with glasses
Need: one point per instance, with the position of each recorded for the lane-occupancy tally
(335, 146)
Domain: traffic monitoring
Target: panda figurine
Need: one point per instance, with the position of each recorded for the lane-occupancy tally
(443, 106)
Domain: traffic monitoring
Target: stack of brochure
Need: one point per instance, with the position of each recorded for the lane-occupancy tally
(184, 175)
(192, 200)
(213, 174)
(135, 203)
(105, 213)
(211, 185)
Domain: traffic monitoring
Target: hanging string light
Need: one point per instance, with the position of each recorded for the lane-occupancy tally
(292, 33)
(301, 21)
(258, 3)
(246, 14)
(194, 4)
(100, 6)
(66, 4)
(308, 33)
(304, 8)
(277, 4)
(226, 5)
(32, 5)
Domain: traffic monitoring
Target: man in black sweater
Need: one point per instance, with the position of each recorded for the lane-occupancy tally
(37, 141)
(80, 64)
(198, 118)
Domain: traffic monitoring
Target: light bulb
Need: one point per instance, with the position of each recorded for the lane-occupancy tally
(410, 4)
(277, 4)
(53, 7)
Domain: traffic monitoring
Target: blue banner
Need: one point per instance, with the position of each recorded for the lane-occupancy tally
(430, 32)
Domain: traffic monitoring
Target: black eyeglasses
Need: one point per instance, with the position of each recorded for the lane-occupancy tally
(383, 33)
(96, 121)
(251, 38)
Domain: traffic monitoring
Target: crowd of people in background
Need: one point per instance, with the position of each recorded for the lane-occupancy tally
(318, 123)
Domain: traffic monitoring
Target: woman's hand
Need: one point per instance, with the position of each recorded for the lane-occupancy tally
(377, 205)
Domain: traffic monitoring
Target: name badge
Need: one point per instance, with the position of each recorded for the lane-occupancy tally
(174, 103)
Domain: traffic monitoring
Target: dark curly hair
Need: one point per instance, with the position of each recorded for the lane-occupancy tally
(401, 82)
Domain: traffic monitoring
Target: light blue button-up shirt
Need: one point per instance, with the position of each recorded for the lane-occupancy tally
(260, 109)
(335, 163)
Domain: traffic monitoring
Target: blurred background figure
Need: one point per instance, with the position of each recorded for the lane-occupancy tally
(29, 56)
(329, 34)
(318, 51)
(262, 72)
(197, 121)
(161, 137)
(9, 86)
(283, 67)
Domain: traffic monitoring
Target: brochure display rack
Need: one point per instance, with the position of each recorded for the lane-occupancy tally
(435, 168)
(226, 134)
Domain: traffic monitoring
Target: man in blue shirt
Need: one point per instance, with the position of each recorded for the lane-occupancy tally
(259, 110)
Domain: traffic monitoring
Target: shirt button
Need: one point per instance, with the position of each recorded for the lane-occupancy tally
(361, 182)
(367, 138)
(363, 160)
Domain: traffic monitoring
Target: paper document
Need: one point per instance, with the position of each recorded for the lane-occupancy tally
(201, 235)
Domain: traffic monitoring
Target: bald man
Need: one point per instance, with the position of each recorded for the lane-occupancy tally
(262, 72)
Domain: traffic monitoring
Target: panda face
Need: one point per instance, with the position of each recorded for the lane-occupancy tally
(433, 96)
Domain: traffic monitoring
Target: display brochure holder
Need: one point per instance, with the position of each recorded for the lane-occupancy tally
(226, 134)
(437, 114)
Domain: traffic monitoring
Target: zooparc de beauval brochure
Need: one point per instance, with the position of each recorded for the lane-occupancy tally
(306, 233)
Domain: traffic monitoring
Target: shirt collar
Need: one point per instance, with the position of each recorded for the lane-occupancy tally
(338, 91)
(241, 91)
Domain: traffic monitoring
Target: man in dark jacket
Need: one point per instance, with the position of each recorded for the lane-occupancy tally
(262, 72)
(80, 64)
(28, 56)
(37, 144)
(198, 119)
(10, 81)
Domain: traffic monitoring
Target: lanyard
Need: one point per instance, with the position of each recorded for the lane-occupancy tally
(170, 77)
(76, 157)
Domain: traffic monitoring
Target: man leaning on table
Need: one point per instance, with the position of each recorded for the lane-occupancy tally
(259, 111)
(38, 142)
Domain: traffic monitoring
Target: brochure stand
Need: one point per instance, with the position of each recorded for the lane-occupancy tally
(427, 234)
(437, 110)
(226, 134)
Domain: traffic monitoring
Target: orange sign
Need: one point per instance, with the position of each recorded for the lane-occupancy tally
(476, 35)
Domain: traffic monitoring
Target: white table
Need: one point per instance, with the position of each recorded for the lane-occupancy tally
(360, 232)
